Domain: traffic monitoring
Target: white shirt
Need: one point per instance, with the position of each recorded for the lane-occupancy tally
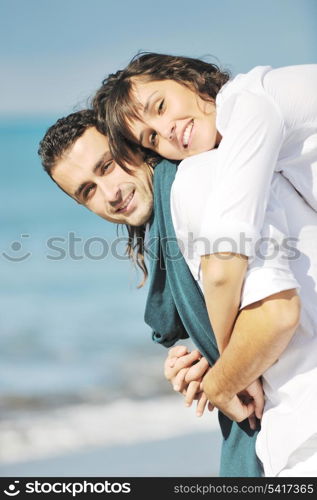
(290, 384)
(194, 191)
(268, 122)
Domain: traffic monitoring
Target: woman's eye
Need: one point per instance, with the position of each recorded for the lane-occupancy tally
(152, 139)
(161, 107)
(105, 167)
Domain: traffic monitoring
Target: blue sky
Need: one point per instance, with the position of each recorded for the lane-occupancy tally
(54, 54)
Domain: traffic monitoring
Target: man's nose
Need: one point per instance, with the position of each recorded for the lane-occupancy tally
(111, 192)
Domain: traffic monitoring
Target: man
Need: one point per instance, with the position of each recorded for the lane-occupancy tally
(81, 166)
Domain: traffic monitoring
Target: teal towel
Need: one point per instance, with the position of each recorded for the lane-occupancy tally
(176, 309)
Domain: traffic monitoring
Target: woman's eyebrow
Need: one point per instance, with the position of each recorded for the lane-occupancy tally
(148, 102)
(141, 138)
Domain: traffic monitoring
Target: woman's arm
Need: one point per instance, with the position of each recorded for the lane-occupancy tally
(222, 278)
(246, 160)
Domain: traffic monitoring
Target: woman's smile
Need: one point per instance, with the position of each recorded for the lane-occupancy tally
(174, 121)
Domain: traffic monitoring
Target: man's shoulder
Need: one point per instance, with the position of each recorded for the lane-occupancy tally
(193, 185)
(196, 170)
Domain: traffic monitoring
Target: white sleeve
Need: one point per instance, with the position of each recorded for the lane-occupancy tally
(269, 271)
(247, 157)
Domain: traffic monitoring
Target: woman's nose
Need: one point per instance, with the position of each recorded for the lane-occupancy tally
(168, 131)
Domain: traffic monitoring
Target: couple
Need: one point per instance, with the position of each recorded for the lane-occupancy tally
(267, 336)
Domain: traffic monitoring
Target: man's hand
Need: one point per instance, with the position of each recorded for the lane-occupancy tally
(254, 393)
(248, 403)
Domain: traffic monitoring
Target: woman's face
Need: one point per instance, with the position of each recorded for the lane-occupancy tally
(175, 121)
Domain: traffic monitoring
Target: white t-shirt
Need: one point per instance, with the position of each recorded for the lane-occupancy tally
(195, 186)
(290, 384)
(268, 122)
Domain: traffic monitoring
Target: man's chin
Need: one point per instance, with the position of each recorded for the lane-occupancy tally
(140, 219)
(138, 222)
(136, 219)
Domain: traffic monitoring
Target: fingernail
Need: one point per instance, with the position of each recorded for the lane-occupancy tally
(176, 387)
(199, 414)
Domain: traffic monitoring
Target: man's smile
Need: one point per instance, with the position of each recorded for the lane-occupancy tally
(126, 205)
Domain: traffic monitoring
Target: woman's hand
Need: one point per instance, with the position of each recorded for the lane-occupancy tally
(178, 364)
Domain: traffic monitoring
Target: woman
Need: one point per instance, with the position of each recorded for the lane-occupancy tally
(195, 107)
(263, 121)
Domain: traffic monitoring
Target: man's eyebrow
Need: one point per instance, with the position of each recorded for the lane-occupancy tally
(105, 157)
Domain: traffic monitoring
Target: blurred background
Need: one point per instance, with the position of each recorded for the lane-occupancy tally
(81, 384)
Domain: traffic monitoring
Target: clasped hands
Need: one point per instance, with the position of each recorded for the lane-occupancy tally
(190, 375)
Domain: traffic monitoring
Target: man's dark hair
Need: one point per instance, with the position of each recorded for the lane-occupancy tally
(60, 137)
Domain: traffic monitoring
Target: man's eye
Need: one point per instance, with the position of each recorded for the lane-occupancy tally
(87, 191)
(152, 139)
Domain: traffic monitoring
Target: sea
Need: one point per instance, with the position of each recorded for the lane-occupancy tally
(74, 348)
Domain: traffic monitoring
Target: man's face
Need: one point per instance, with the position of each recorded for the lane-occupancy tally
(90, 176)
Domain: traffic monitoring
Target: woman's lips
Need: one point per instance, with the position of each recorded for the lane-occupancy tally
(187, 134)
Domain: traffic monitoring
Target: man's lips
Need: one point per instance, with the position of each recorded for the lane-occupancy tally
(124, 206)
(186, 134)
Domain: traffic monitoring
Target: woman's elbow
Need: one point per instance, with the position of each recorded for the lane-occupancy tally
(292, 314)
(285, 311)
(223, 269)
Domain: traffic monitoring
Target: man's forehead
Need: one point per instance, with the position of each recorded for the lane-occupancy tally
(78, 163)
(88, 147)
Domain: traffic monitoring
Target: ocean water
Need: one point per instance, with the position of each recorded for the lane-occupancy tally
(71, 317)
